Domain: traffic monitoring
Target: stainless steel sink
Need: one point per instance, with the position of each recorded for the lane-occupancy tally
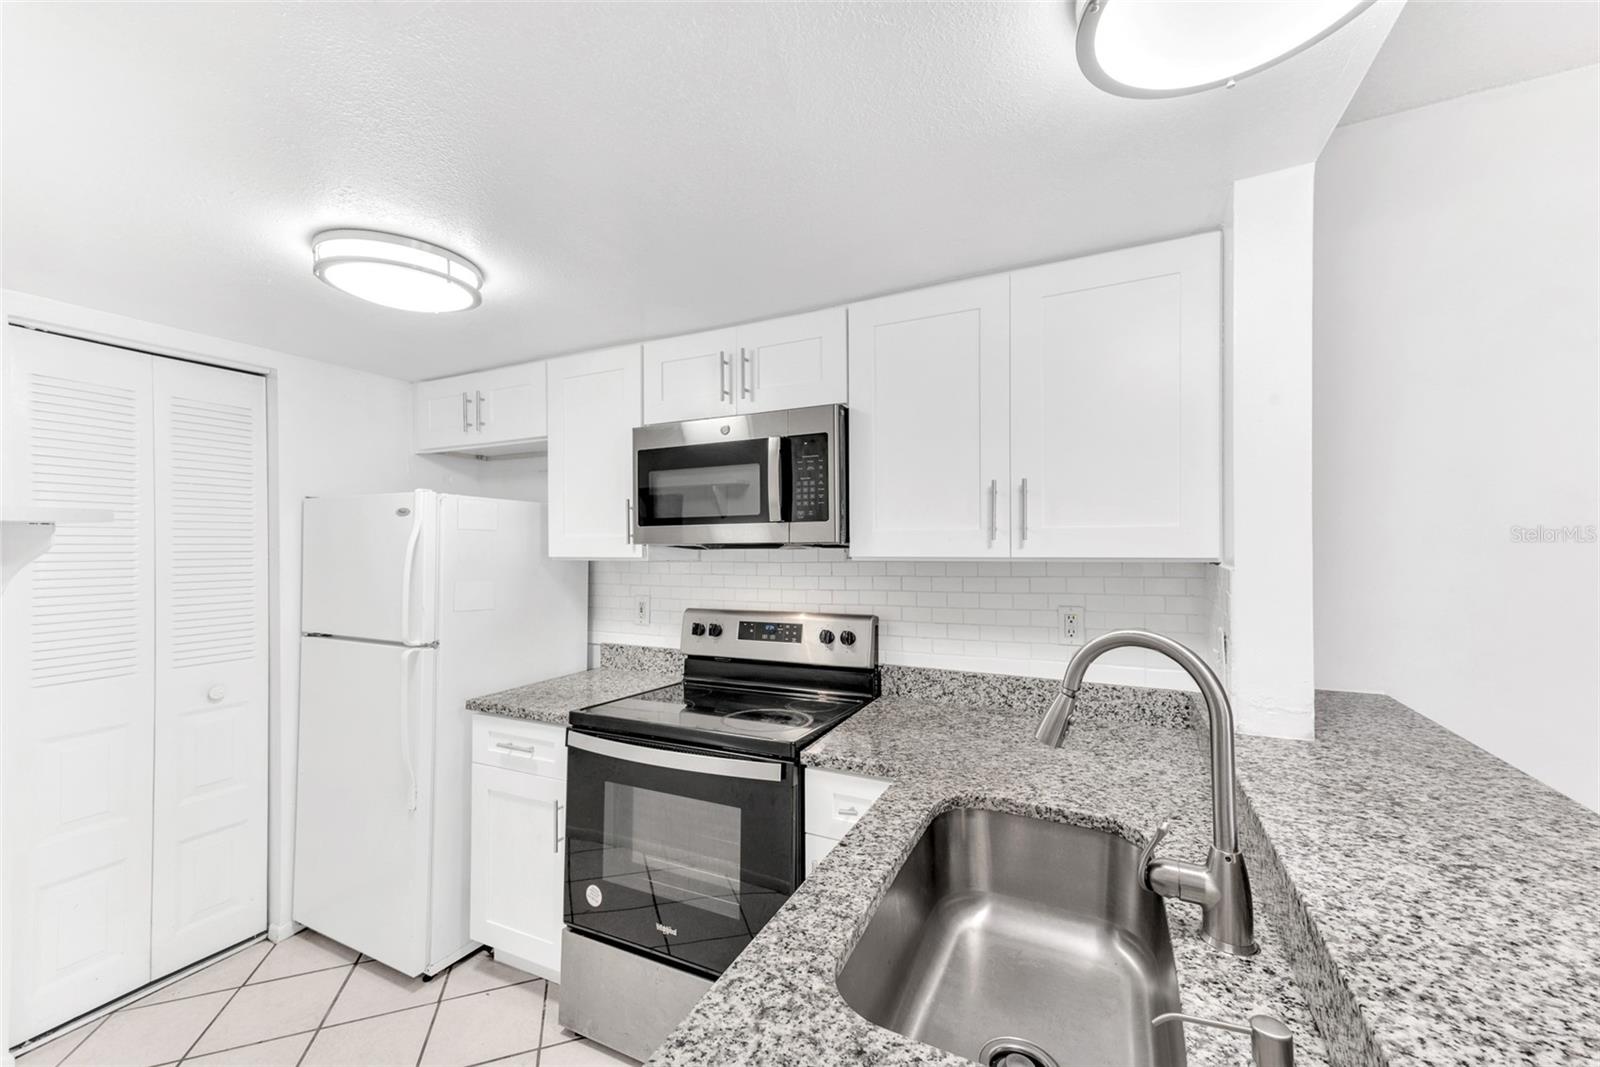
(1004, 936)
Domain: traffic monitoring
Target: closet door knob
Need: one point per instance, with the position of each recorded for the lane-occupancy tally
(216, 693)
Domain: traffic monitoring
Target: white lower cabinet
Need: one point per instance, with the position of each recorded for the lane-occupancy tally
(834, 802)
(518, 844)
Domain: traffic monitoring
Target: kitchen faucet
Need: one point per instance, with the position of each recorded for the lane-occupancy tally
(1221, 885)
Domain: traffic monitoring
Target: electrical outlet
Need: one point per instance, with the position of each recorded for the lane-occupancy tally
(1071, 631)
(641, 610)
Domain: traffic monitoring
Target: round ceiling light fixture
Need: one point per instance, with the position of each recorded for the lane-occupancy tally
(397, 272)
(1157, 48)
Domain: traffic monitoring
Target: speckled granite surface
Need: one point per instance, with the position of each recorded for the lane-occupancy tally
(1157, 707)
(778, 1003)
(642, 658)
(1449, 899)
(553, 700)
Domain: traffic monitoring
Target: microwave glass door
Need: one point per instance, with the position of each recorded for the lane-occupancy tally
(685, 860)
(711, 484)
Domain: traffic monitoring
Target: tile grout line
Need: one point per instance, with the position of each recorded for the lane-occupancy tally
(225, 1003)
(97, 1024)
(140, 1005)
(328, 1011)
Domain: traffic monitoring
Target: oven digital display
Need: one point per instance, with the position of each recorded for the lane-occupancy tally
(770, 631)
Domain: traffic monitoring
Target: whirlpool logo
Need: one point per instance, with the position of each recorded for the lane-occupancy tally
(670, 931)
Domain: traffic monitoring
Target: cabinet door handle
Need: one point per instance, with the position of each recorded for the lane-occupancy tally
(725, 377)
(1023, 522)
(555, 826)
(994, 504)
(747, 363)
(466, 412)
(479, 407)
(628, 520)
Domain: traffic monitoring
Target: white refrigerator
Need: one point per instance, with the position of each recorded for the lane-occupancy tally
(410, 604)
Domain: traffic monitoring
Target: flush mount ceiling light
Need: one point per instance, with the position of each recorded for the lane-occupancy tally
(1156, 48)
(397, 272)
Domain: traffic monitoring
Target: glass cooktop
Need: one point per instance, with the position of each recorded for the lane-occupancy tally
(738, 720)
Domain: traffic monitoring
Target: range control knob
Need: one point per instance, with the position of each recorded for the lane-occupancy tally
(698, 629)
(715, 629)
(847, 637)
(826, 637)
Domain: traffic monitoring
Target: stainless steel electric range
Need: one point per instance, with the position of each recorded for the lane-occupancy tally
(684, 809)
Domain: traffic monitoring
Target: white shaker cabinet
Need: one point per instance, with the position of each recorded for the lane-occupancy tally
(691, 377)
(594, 405)
(496, 412)
(792, 362)
(1116, 404)
(834, 802)
(797, 361)
(929, 441)
(518, 842)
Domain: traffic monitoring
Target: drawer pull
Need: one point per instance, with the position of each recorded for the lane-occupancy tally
(514, 750)
(850, 812)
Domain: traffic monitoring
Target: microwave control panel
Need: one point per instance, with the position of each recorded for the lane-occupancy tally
(808, 477)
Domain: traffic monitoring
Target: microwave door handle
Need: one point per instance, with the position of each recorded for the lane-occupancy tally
(775, 479)
(672, 759)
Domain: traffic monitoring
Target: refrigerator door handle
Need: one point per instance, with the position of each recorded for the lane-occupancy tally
(407, 657)
(406, 578)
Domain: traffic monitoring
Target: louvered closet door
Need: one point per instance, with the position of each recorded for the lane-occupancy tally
(79, 656)
(210, 865)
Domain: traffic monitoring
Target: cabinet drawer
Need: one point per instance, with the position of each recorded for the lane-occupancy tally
(518, 745)
(835, 802)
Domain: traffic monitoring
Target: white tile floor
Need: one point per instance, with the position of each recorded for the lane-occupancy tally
(308, 1002)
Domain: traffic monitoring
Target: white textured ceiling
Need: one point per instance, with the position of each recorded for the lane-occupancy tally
(619, 170)
(1441, 49)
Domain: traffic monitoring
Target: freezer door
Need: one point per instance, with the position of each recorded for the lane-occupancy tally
(369, 566)
(363, 808)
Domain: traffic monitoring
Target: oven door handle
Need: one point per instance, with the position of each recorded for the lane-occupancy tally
(672, 759)
(775, 480)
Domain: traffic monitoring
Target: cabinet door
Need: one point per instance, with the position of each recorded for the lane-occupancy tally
(1116, 404)
(594, 406)
(508, 404)
(928, 410)
(209, 871)
(690, 377)
(79, 681)
(518, 853)
(793, 362)
(442, 414)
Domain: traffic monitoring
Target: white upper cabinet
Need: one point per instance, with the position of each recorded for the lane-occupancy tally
(593, 408)
(691, 377)
(1116, 409)
(928, 422)
(495, 412)
(792, 362)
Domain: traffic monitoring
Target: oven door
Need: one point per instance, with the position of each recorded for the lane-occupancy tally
(708, 493)
(680, 854)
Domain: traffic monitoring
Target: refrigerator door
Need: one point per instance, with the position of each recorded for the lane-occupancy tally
(364, 805)
(369, 567)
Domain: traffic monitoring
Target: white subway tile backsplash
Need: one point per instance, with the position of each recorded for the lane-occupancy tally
(975, 615)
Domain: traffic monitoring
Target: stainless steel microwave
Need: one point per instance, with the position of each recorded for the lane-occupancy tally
(744, 481)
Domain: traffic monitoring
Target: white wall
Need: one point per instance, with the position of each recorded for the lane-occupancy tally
(1456, 398)
(999, 617)
(332, 430)
(1268, 490)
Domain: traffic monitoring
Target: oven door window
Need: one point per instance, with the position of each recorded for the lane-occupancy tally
(699, 485)
(683, 864)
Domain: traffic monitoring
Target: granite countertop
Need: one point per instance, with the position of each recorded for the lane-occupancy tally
(551, 701)
(777, 1004)
(1453, 902)
(1418, 901)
